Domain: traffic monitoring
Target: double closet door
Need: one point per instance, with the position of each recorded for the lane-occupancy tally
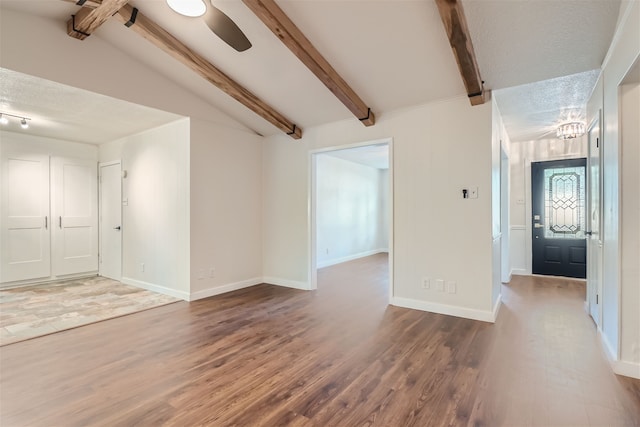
(49, 217)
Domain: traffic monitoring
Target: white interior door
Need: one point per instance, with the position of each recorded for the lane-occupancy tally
(594, 239)
(25, 217)
(74, 192)
(111, 221)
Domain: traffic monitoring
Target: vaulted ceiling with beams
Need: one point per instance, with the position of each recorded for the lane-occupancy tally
(392, 53)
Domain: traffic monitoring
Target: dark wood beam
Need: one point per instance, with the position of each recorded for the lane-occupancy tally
(89, 18)
(280, 24)
(455, 25)
(162, 39)
(197, 63)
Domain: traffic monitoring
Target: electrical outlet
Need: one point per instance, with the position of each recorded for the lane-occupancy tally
(201, 274)
(142, 267)
(212, 272)
(451, 287)
(440, 285)
(426, 283)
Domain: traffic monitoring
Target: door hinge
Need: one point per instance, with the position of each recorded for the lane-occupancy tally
(597, 302)
(597, 142)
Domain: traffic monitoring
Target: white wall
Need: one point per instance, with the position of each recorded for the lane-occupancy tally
(226, 209)
(50, 146)
(438, 149)
(226, 155)
(630, 223)
(349, 210)
(616, 317)
(155, 219)
(521, 155)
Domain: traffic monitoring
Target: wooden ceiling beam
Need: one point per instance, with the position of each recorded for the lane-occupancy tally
(197, 63)
(280, 24)
(162, 39)
(455, 25)
(89, 18)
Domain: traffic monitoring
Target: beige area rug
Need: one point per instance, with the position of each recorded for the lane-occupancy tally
(32, 311)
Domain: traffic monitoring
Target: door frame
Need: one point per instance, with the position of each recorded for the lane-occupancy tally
(100, 232)
(529, 206)
(311, 209)
(597, 121)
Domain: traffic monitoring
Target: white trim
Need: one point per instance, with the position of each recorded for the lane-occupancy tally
(519, 272)
(450, 310)
(340, 260)
(32, 282)
(229, 287)
(496, 308)
(155, 288)
(312, 276)
(286, 283)
(628, 369)
(109, 163)
(620, 367)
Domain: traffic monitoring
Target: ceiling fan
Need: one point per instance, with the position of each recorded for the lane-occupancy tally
(216, 20)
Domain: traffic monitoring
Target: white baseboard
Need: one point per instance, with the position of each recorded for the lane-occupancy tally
(620, 367)
(286, 283)
(496, 308)
(450, 310)
(628, 369)
(205, 293)
(519, 272)
(340, 260)
(43, 281)
(156, 288)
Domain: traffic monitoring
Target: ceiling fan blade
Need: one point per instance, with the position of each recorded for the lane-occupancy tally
(226, 29)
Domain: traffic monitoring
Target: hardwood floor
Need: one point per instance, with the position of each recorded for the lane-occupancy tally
(338, 356)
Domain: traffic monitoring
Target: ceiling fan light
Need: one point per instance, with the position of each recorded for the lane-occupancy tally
(191, 8)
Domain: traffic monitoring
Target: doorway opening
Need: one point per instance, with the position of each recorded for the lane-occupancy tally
(558, 200)
(351, 212)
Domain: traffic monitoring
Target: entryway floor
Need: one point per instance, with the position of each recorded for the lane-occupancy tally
(32, 311)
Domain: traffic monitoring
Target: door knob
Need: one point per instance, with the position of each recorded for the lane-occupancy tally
(117, 228)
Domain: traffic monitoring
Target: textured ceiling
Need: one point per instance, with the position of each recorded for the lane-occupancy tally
(67, 113)
(525, 41)
(375, 156)
(394, 53)
(534, 111)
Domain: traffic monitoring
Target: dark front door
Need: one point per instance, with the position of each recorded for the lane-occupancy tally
(558, 222)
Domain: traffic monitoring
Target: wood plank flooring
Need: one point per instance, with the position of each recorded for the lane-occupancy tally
(338, 356)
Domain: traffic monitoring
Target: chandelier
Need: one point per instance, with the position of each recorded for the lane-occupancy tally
(570, 130)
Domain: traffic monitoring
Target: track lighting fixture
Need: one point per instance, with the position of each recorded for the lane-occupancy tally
(5, 121)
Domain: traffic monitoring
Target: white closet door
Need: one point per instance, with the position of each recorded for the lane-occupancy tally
(111, 221)
(24, 217)
(74, 192)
